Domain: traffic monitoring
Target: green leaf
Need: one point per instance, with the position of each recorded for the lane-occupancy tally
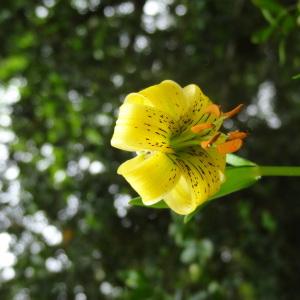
(296, 76)
(262, 35)
(237, 178)
(238, 161)
(26, 40)
(138, 202)
(269, 5)
(287, 23)
(281, 52)
(268, 221)
(279, 21)
(93, 136)
(268, 16)
(12, 65)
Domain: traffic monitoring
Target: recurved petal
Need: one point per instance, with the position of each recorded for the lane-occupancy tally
(203, 173)
(180, 199)
(167, 96)
(196, 97)
(151, 175)
(141, 127)
(137, 99)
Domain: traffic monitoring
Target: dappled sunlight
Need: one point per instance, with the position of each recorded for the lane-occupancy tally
(121, 204)
(156, 16)
(263, 105)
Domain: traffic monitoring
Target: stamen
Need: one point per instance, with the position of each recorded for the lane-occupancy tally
(200, 127)
(229, 147)
(234, 111)
(237, 135)
(213, 109)
(207, 144)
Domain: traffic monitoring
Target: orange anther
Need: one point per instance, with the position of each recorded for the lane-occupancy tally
(234, 111)
(229, 147)
(200, 127)
(237, 135)
(213, 109)
(207, 144)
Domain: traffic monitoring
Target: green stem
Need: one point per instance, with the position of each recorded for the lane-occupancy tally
(279, 171)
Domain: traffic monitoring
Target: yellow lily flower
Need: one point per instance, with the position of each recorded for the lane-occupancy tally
(180, 150)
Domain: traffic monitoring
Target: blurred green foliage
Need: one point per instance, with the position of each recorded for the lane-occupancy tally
(282, 20)
(65, 67)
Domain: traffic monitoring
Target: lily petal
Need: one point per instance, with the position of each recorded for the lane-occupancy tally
(198, 112)
(203, 174)
(140, 127)
(179, 198)
(167, 96)
(151, 175)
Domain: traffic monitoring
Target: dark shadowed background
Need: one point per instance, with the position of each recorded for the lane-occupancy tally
(67, 231)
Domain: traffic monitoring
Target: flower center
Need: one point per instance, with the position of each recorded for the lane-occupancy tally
(207, 135)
